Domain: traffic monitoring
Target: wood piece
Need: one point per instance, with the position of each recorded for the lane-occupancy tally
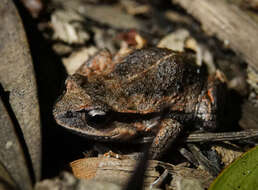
(17, 78)
(118, 171)
(109, 169)
(229, 24)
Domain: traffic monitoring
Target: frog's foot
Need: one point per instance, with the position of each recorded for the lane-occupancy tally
(111, 154)
(132, 156)
(169, 130)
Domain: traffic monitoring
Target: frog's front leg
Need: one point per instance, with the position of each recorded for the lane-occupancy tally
(168, 132)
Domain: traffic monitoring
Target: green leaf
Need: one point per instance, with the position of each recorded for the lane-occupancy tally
(242, 174)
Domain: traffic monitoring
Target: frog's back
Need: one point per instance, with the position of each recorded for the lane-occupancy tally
(138, 61)
(149, 79)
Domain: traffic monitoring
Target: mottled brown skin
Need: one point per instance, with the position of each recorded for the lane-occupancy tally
(150, 92)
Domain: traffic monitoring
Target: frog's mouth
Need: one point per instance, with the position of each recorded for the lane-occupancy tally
(76, 123)
(103, 126)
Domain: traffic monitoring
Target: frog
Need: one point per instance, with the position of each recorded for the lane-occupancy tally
(150, 92)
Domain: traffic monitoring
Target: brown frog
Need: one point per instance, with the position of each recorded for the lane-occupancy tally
(150, 92)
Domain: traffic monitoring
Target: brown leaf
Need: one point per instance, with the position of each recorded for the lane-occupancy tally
(17, 79)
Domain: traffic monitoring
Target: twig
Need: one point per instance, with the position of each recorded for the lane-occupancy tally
(225, 136)
(212, 137)
(211, 167)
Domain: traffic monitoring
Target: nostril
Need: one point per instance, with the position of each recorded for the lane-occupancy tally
(69, 114)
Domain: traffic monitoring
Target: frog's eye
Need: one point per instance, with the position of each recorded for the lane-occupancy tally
(94, 113)
(96, 118)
